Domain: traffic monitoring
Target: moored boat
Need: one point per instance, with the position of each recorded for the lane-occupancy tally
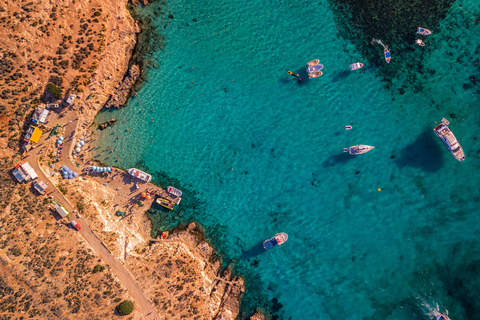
(280, 238)
(386, 52)
(166, 203)
(441, 316)
(140, 174)
(313, 62)
(358, 149)
(356, 65)
(420, 42)
(174, 191)
(424, 31)
(164, 235)
(449, 140)
(313, 70)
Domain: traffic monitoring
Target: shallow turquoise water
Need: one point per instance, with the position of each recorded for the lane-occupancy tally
(256, 153)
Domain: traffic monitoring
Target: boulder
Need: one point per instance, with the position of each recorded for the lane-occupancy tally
(123, 89)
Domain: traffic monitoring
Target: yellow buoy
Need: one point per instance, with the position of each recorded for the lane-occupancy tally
(379, 189)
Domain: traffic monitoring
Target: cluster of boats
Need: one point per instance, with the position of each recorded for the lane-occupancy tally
(442, 131)
(424, 32)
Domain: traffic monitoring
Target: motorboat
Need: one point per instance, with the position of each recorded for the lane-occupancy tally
(441, 316)
(388, 57)
(348, 127)
(280, 238)
(174, 191)
(166, 203)
(358, 149)
(313, 69)
(140, 174)
(356, 65)
(449, 140)
(424, 31)
(420, 42)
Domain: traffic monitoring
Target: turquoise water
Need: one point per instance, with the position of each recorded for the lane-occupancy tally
(391, 234)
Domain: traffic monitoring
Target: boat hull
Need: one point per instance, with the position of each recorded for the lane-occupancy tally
(359, 149)
(166, 203)
(355, 66)
(145, 177)
(423, 31)
(279, 239)
(443, 132)
(174, 191)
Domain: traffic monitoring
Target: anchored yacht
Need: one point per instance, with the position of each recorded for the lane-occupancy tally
(358, 149)
(449, 140)
(280, 238)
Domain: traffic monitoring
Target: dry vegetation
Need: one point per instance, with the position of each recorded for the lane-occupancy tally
(47, 271)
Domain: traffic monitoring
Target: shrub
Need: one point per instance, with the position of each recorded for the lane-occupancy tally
(98, 268)
(96, 14)
(59, 295)
(56, 91)
(125, 308)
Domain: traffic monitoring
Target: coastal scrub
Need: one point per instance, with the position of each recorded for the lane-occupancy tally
(125, 307)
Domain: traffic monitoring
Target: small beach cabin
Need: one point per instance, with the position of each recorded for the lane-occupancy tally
(40, 186)
(40, 115)
(71, 99)
(23, 171)
(61, 210)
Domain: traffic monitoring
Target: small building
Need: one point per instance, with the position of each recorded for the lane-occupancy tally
(52, 105)
(33, 134)
(40, 115)
(40, 186)
(24, 172)
(71, 98)
(61, 210)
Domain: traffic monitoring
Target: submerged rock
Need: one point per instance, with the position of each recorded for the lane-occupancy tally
(104, 125)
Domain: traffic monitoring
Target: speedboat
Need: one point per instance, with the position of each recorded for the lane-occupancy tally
(420, 42)
(166, 203)
(356, 65)
(313, 70)
(348, 127)
(280, 238)
(358, 149)
(449, 140)
(140, 174)
(174, 191)
(424, 31)
(387, 54)
(441, 316)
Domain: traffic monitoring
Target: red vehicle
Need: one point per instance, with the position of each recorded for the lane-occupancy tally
(75, 225)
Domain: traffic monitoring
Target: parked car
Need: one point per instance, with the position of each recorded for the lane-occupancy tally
(75, 225)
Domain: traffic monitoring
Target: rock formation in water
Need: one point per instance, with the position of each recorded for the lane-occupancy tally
(123, 89)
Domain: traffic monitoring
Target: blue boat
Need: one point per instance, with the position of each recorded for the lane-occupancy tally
(388, 57)
(280, 238)
(424, 31)
(441, 316)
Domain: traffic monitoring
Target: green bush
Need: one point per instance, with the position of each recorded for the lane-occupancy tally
(59, 295)
(56, 91)
(98, 268)
(96, 14)
(125, 308)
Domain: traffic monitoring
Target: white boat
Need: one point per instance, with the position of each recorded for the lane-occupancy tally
(449, 140)
(424, 31)
(358, 149)
(420, 42)
(174, 191)
(280, 238)
(356, 65)
(140, 174)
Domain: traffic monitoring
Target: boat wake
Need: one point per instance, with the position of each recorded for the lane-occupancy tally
(429, 309)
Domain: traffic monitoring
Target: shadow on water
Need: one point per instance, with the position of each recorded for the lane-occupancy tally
(341, 75)
(425, 153)
(254, 251)
(339, 158)
(302, 72)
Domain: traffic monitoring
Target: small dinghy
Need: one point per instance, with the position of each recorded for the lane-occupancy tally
(424, 31)
(313, 69)
(356, 65)
(420, 42)
(388, 57)
(174, 191)
(348, 127)
(166, 203)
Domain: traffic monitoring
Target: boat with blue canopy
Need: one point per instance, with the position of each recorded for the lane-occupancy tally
(424, 31)
(280, 238)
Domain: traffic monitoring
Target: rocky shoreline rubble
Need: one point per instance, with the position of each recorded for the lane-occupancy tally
(123, 89)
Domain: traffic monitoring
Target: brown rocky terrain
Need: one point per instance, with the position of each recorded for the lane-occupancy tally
(48, 271)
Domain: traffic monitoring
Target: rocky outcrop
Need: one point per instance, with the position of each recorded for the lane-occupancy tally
(123, 89)
(258, 316)
(104, 125)
(198, 280)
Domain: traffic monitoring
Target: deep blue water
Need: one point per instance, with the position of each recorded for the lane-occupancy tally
(391, 234)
